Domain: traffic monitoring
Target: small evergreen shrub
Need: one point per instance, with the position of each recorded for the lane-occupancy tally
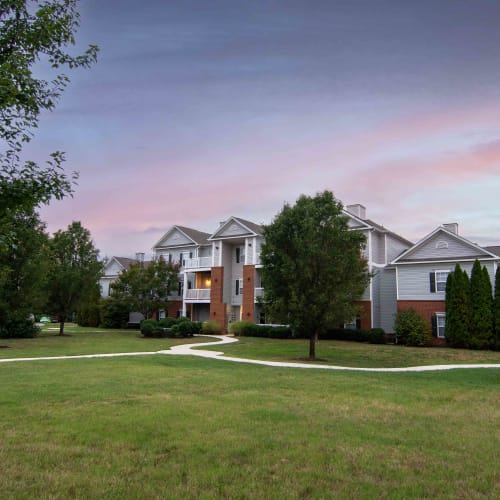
(376, 336)
(18, 328)
(411, 328)
(211, 327)
(351, 334)
(167, 322)
(150, 328)
(238, 327)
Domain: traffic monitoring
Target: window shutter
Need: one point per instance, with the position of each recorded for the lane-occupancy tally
(434, 326)
(432, 278)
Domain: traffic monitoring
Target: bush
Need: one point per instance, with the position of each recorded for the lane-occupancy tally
(18, 328)
(411, 328)
(248, 329)
(350, 334)
(114, 314)
(150, 328)
(238, 326)
(376, 336)
(167, 322)
(210, 327)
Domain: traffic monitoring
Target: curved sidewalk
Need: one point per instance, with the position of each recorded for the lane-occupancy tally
(194, 350)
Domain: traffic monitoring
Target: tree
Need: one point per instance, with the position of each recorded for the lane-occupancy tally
(496, 309)
(313, 267)
(32, 33)
(23, 267)
(145, 287)
(481, 326)
(74, 270)
(458, 308)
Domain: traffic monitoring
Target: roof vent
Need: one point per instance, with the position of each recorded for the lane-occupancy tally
(357, 209)
(452, 227)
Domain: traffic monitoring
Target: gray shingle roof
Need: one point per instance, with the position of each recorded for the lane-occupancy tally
(199, 237)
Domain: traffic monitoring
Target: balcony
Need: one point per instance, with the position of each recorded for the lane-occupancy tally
(198, 294)
(198, 263)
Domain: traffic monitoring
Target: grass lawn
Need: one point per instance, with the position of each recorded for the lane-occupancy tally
(185, 427)
(84, 341)
(338, 352)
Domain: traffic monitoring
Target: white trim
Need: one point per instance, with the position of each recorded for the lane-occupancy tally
(440, 315)
(419, 243)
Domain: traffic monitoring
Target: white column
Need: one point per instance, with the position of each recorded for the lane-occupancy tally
(184, 291)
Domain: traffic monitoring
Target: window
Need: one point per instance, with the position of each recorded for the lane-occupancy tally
(238, 290)
(240, 255)
(438, 280)
(180, 287)
(440, 325)
(181, 260)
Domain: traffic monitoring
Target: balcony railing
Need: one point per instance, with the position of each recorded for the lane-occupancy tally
(198, 263)
(198, 294)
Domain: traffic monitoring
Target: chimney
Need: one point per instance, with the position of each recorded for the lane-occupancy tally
(452, 227)
(139, 256)
(357, 209)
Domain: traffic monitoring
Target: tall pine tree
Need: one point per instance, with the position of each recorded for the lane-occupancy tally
(457, 308)
(496, 309)
(481, 326)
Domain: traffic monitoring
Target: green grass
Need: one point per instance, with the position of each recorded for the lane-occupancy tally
(337, 352)
(185, 427)
(84, 341)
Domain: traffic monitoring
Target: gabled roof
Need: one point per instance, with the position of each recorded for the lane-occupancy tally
(193, 235)
(248, 229)
(123, 262)
(464, 249)
(371, 225)
(199, 237)
(493, 249)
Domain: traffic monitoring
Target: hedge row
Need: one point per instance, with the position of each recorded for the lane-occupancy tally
(247, 329)
(170, 327)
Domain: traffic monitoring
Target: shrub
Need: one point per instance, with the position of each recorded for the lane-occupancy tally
(167, 322)
(211, 327)
(150, 328)
(238, 327)
(248, 329)
(411, 328)
(114, 314)
(376, 336)
(17, 328)
(351, 334)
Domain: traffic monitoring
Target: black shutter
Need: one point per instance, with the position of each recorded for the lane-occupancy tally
(434, 323)
(432, 278)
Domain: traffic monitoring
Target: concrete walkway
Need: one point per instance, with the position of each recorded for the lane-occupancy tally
(194, 350)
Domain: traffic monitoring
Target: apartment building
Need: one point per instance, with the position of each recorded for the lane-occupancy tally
(220, 273)
(422, 271)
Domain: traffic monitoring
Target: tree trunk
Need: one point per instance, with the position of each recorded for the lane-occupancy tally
(61, 326)
(312, 345)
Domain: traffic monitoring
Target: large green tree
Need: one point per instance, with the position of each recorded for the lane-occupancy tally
(74, 271)
(458, 308)
(145, 287)
(313, 268)
(496, 309)
(34, 40)
(33, 35)
(481, 297)
(23, 267)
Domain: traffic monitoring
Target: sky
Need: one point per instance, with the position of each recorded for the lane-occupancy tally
(201, 110)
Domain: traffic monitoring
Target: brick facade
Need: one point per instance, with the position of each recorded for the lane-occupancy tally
(366, 314)
(427, 309)
(248, 302)
(217, 306)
